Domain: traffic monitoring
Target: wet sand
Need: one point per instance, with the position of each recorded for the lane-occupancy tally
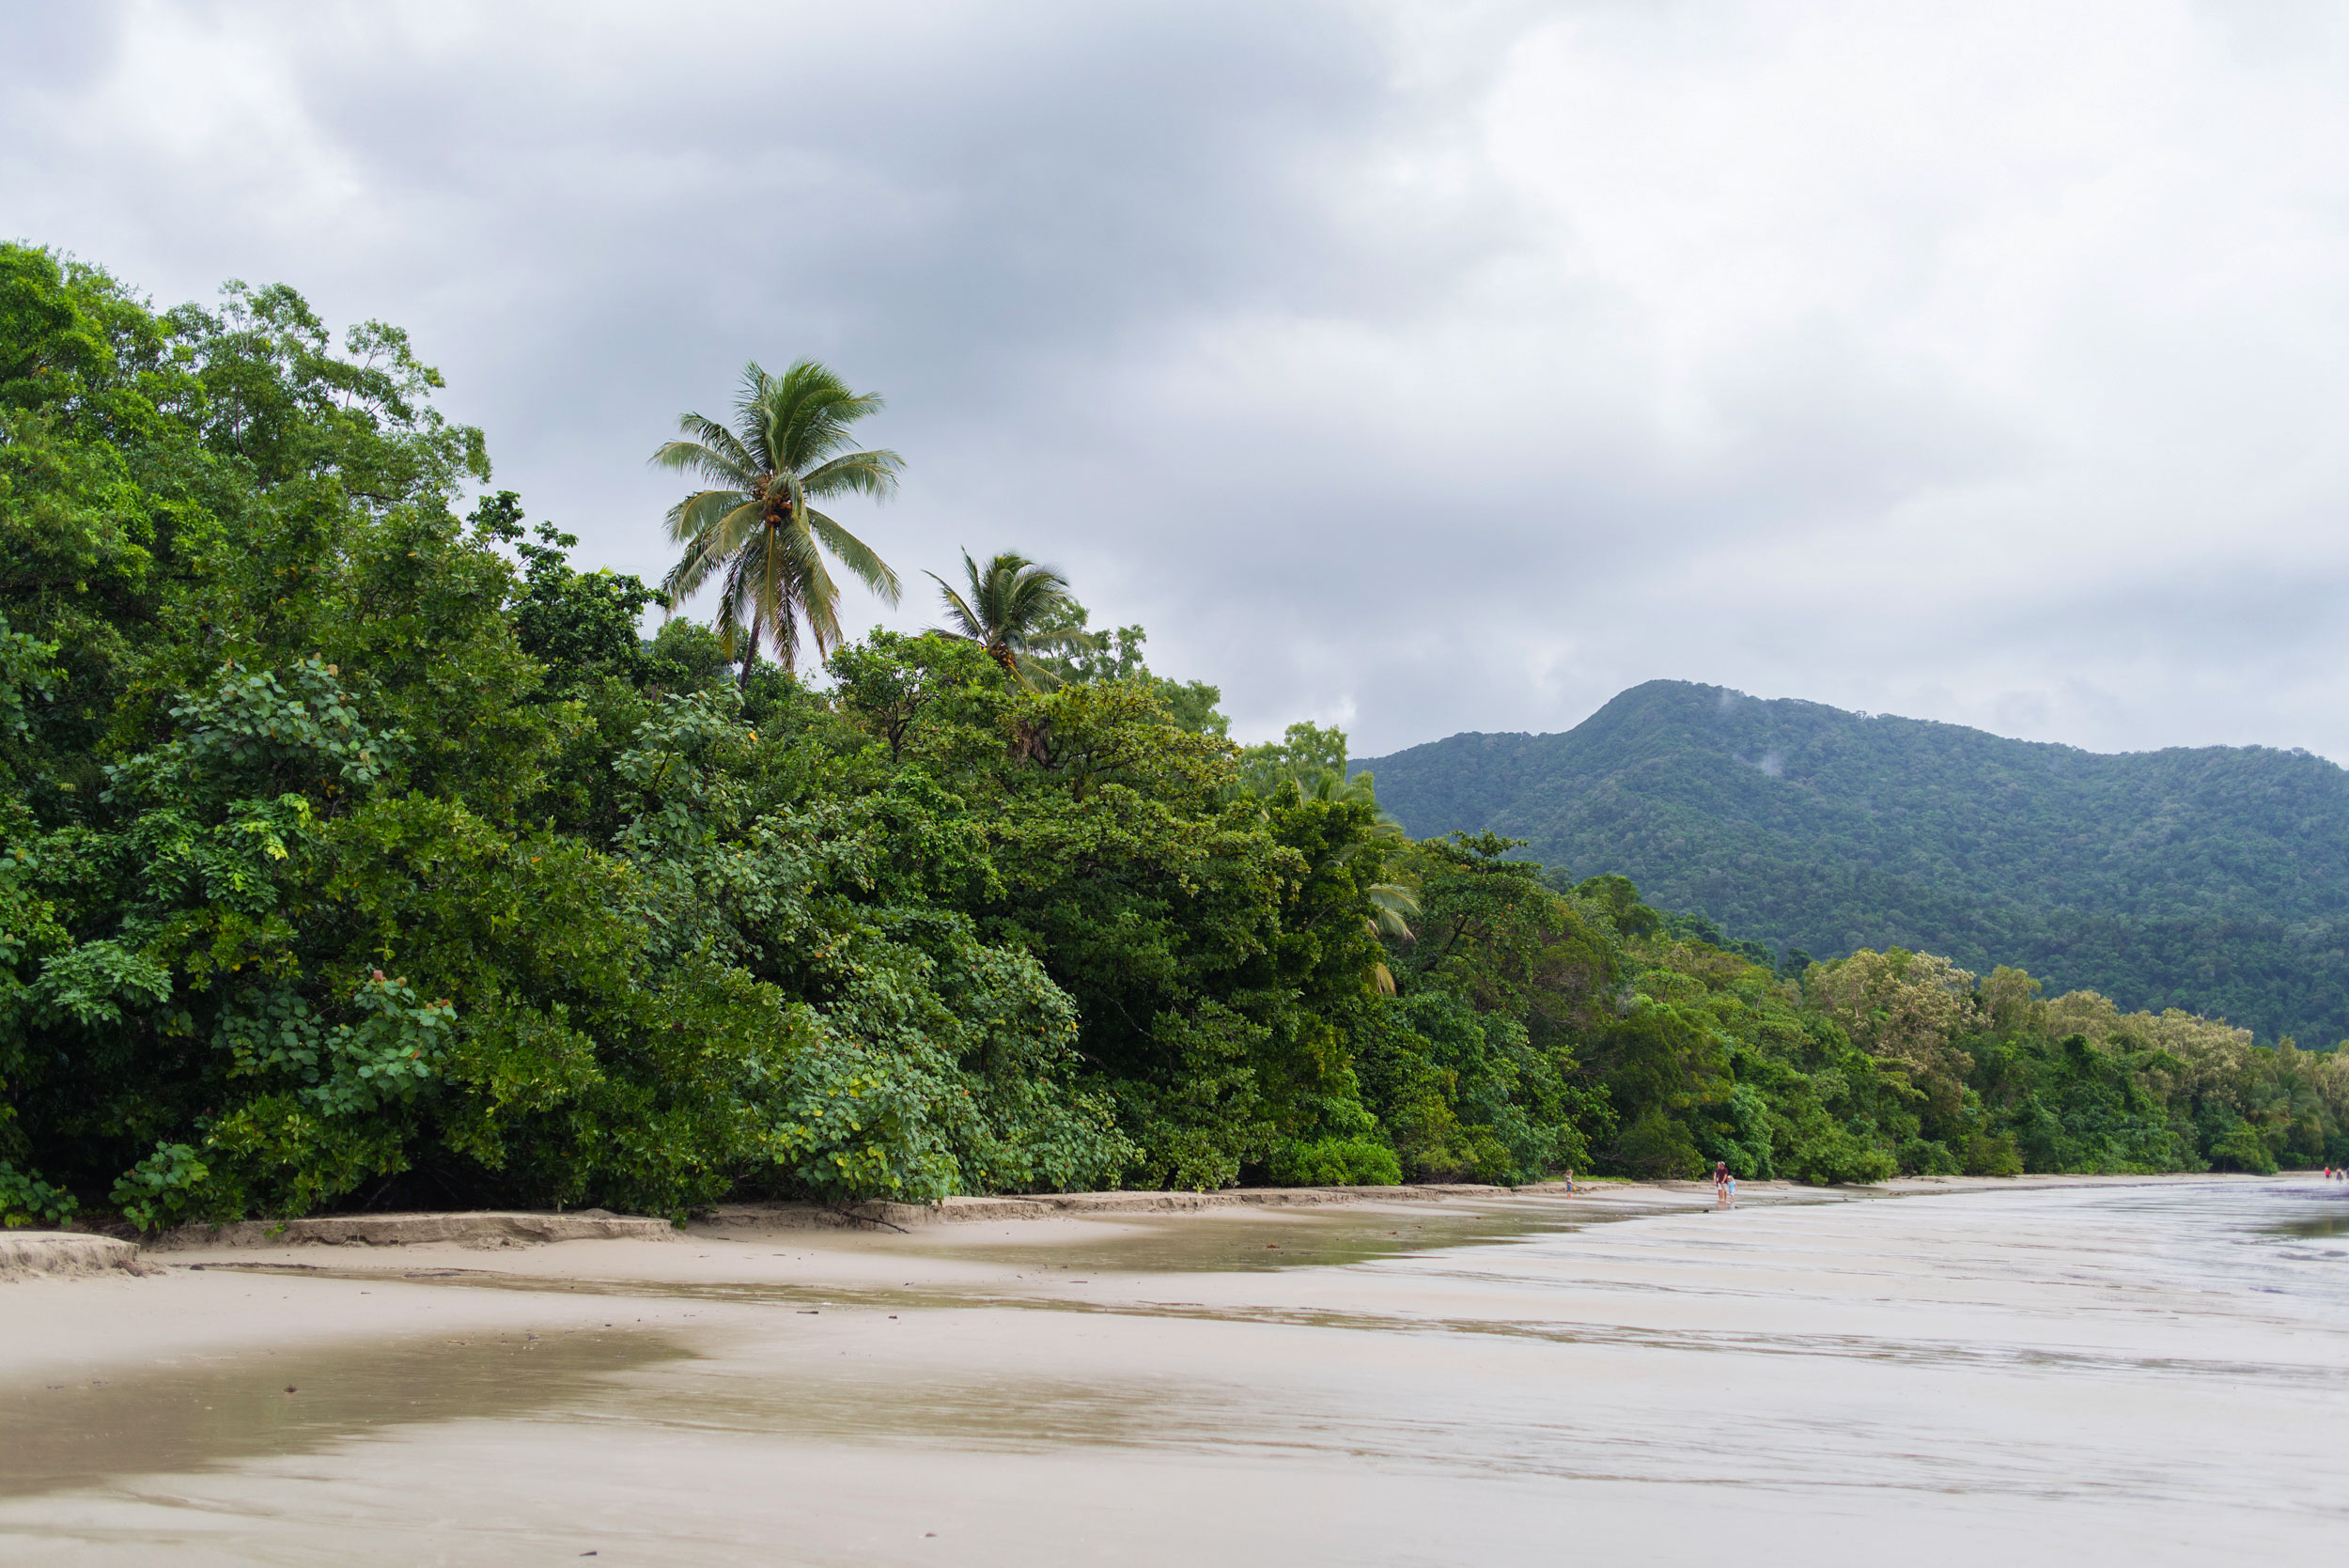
(2135, 1370)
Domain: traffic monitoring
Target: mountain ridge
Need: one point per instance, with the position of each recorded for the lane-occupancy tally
(2214, 878)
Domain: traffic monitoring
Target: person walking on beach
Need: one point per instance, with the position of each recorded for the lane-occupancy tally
(1720, 1183)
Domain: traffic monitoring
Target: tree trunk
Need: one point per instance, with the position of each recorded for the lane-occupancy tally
(750, 657)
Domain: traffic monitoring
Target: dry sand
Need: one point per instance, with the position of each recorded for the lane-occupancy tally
(2142, 1371)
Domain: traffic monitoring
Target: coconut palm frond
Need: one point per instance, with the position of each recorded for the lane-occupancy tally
(855, 554)
(1333, 788)
(1038, 676)
(721, 443)
(818, 596)
(692, 519)
(754, 415)
(1029, 594)
(808, 410)
(720, 524)
(704, 462)
(966, 624)
(754, 530)
(736, 620)
(1011, 603)
(1392, 904)
(874, 474)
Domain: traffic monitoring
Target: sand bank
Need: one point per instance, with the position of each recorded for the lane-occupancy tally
(1050, 1205)
(476, 1228)
(35, 1254)
(501, 1228)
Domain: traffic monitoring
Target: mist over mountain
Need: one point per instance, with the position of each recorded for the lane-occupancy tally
(2212, 878)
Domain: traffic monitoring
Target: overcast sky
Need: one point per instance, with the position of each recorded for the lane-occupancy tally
(1416, 369)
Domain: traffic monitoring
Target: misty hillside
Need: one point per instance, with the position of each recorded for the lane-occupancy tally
(2214, 878)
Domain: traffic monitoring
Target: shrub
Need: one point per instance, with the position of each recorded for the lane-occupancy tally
(1359, 1161)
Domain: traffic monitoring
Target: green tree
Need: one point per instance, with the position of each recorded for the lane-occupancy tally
(1304, 752)
(577, 624)
(1065, 649)
(756, 528)
(346, 859)
(1015, 610)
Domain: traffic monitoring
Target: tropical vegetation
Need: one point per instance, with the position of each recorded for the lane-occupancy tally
(357, 850)
(757, 529)
(2212, 879)
(1015, 610)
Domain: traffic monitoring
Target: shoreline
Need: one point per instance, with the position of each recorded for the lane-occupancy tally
(109, 1305)
(1344, 1379)
(79, 1253)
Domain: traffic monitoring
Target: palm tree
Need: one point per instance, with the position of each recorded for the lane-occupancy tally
(756, 528)
(1012, 612)
(1392, 905)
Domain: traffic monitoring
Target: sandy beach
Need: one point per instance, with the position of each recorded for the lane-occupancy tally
(2151, 1371)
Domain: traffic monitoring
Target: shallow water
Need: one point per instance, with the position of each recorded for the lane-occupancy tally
(2153, 1374)
(1248, 1241)
(215, 1410)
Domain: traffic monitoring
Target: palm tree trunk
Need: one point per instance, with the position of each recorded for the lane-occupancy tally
(749, 655)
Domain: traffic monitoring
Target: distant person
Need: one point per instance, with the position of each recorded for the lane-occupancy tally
(1720, 1183)
(1569, 1183)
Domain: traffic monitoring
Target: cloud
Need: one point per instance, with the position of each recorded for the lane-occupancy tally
(1424, 370)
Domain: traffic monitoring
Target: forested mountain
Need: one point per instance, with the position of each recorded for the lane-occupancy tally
(2214, 878)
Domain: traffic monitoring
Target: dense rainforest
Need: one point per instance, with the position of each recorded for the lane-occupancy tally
(2214, 879)
(357, 850)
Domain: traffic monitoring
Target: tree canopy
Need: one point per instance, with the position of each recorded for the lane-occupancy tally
(356, 849)
(2214, 879)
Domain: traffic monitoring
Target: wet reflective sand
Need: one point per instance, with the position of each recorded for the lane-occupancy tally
(2149, 1373)
(217, 1410)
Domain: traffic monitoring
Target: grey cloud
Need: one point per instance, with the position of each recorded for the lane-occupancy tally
(1424, 369)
